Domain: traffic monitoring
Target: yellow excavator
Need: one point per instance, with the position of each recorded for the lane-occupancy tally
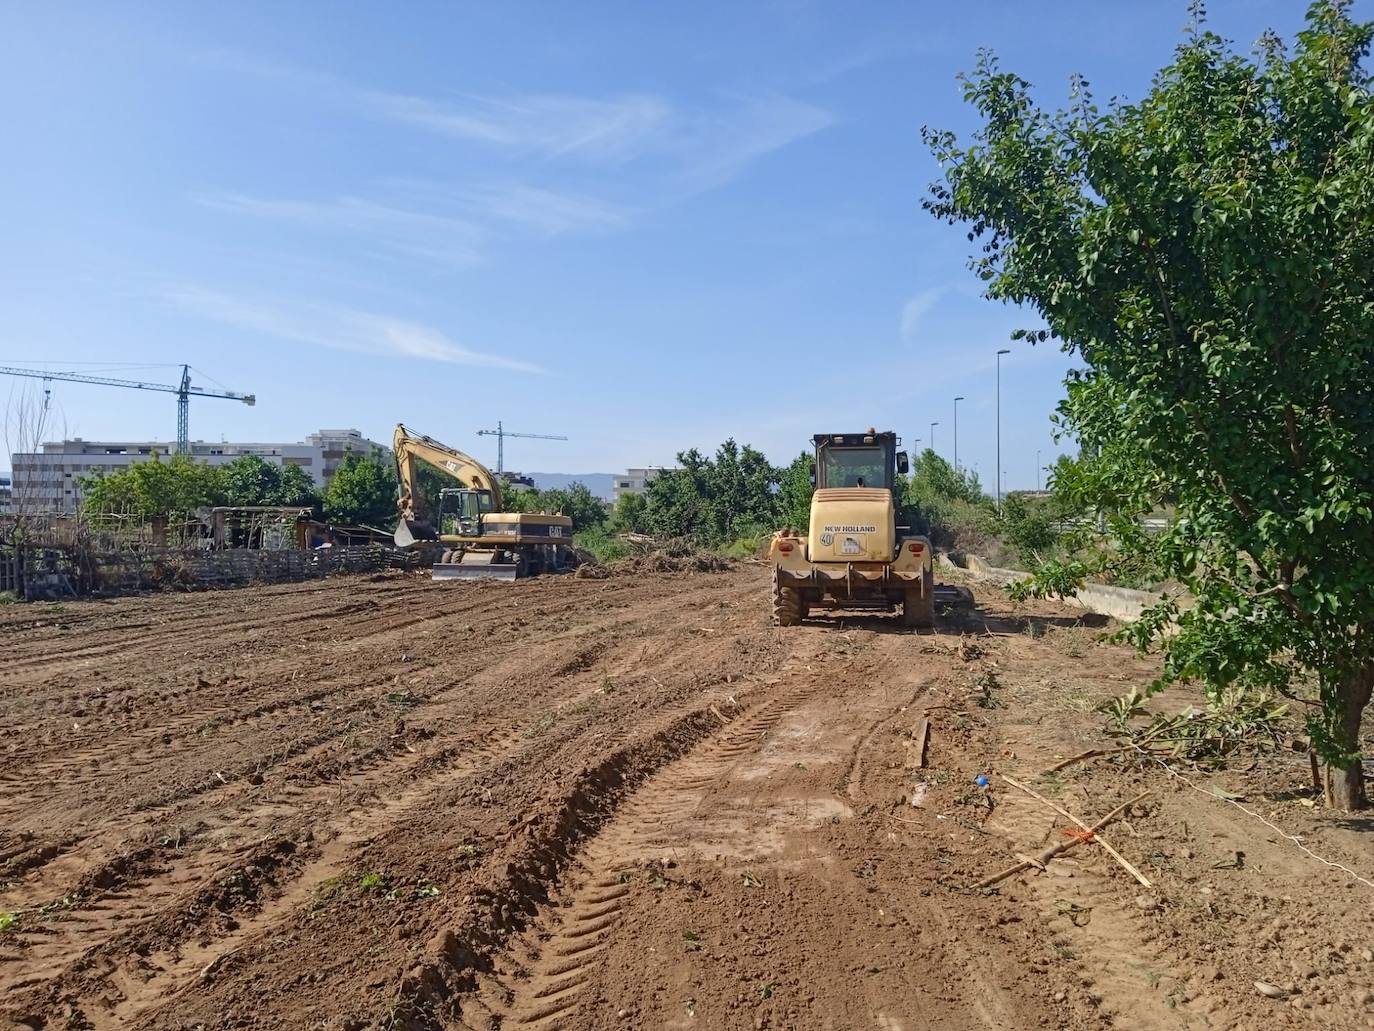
(470, 535)
(854, 555)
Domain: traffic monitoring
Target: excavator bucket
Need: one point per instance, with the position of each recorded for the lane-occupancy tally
(475, 565)
(410, 532)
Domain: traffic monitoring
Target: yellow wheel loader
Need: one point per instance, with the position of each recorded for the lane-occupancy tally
(854, 554)
(469, 536)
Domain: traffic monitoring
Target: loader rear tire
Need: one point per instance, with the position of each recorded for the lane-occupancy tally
(788, 608)
(918, 608)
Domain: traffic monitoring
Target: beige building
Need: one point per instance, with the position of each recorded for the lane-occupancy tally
(49, 481)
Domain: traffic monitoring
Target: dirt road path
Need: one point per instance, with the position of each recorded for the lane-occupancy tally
(560, 803)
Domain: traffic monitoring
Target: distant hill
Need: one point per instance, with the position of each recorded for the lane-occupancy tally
(600, 484)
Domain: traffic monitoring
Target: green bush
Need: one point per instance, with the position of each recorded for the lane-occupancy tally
(601, 544)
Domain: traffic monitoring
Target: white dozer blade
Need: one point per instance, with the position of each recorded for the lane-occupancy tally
(475, 565)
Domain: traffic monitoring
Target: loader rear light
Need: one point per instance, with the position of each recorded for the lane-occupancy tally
(785, 547)
(915, 547)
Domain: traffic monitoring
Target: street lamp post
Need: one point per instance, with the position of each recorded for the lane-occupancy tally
(1038, 470)
(1005, 350)
(956, 433)
(932, 435)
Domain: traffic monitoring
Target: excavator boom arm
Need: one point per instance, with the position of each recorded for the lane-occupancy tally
(408, 447)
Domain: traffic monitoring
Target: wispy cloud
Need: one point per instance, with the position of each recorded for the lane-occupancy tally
(342, 329)
(548, 212)
(609, 130)
(419, 234)
(915, 310)
(502, 205)
(716, 147)
(702, 147)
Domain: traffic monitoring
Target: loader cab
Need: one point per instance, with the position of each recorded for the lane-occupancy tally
(461, 510)
(858, 460)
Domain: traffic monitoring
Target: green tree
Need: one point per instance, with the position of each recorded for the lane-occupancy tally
(741, 489)
(794, 492)
(714, 500)
(631, 513)
(154, 488)
(362, 492)
(252, 480)
(934, 479)
(576, 501)
(1207, 255)
(1027, 527)
(678, 500)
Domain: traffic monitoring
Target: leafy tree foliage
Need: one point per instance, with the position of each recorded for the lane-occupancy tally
(174, 487)
(252, 480)
(948, 505)
(178, 485)
(1027, 527)
(362, 492)
(715, 500)
(1207, 254)
(575, 501)
(794, 491)
(631, 513)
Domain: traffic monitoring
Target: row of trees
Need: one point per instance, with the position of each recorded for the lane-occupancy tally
(362, 491)
(736, 496)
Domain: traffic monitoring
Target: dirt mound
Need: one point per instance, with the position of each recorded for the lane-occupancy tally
(671, 558)
(667, 562)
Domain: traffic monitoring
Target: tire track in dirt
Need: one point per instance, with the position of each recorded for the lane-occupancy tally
(144, 891)
(557, 953)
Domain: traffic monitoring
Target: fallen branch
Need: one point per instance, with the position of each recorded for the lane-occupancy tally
(1044, 857)
(1091, 753)
(1068, 815)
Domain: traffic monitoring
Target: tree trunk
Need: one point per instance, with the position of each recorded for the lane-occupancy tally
(1345, 784)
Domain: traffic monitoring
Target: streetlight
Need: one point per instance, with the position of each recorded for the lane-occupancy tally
(956, 433)
(1005, 350)
(932, 435)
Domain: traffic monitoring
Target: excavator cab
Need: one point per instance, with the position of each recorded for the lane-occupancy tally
(461, 510)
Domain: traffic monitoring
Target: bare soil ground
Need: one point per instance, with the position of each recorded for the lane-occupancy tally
(382, 802)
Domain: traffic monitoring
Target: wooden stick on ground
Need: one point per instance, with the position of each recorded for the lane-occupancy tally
(1092, 753)
(1044, 857)
(1068, 815)
(921, 737)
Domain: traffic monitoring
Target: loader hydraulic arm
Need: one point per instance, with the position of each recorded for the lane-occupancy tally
(409, 447)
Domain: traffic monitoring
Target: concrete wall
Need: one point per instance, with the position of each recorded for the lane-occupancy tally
(1120, 603)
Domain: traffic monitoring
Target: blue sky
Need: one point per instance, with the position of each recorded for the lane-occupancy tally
(644, 226)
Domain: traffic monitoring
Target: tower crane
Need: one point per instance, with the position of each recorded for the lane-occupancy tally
(501, 433)
(184, 392)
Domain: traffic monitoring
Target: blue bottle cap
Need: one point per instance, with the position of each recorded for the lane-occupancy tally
(981, 781)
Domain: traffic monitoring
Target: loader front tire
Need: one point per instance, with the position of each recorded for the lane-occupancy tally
(788, 608)
(918, 608)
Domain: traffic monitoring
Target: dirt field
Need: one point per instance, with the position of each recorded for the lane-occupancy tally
(629, 803)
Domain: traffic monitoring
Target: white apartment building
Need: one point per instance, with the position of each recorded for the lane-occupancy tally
(635, 480)
(49, 481)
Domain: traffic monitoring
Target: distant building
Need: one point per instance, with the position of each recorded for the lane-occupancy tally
(635, 480)
(49, 481)
(6, 493)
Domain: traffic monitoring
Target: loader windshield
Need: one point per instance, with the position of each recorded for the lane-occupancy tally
(854, 467)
